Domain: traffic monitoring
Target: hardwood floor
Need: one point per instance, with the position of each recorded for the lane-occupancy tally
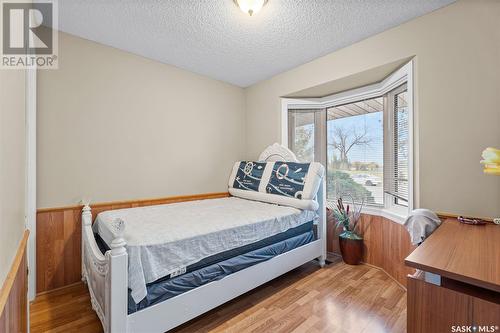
(338, 298)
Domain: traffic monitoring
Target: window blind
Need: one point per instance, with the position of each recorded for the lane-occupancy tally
(355, 150)
(302, 134)
(396, 175)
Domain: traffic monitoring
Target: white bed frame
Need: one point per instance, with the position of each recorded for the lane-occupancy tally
(106, 275)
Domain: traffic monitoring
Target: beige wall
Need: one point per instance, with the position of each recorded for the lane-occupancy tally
(457, 99)
(12, 165)
(113, 126)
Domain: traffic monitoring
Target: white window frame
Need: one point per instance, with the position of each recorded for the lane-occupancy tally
(399, 77)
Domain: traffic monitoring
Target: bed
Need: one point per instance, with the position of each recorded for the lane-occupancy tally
(146, 271)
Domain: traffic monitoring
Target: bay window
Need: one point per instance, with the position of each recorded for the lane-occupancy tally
(363, 138)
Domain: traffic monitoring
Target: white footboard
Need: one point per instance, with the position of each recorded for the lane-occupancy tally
(106, 276)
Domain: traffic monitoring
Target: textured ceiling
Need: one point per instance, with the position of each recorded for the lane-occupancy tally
(216, 39)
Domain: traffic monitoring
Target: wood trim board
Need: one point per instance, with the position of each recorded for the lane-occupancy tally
(139, 202)
(14, 293)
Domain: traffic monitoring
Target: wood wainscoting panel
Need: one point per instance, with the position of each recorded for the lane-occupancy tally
(386, 245)
(14, 293)
(58, 241)
(58, 248)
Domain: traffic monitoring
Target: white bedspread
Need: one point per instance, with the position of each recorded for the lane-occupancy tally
(165, 239)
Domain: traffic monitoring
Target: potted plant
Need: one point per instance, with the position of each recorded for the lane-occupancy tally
(351, 243)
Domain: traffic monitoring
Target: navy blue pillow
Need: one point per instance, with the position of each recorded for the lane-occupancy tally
(249, 175)
(288, 179)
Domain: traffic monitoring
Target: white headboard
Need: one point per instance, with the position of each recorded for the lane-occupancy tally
(277, 152)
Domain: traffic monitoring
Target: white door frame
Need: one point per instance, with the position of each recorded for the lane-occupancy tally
(30, 217)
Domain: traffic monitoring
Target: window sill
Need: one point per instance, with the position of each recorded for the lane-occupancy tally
(396, 215)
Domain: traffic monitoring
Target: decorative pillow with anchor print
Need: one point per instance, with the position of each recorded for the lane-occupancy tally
(249, 175)
(288, 179)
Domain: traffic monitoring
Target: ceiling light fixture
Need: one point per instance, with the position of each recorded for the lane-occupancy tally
(250, 6)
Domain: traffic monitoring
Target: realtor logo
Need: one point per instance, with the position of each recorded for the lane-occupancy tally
(29, 34)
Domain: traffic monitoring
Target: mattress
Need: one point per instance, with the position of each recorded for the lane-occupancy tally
(164, 289)
(301, 229)
(164, 240)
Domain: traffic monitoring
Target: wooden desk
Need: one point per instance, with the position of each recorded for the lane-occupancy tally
(466, 253)
(466, 260)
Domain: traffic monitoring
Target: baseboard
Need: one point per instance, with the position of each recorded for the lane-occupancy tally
(43, 293)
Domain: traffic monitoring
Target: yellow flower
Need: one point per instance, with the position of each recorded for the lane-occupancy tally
(491, 161)
(491, 155)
